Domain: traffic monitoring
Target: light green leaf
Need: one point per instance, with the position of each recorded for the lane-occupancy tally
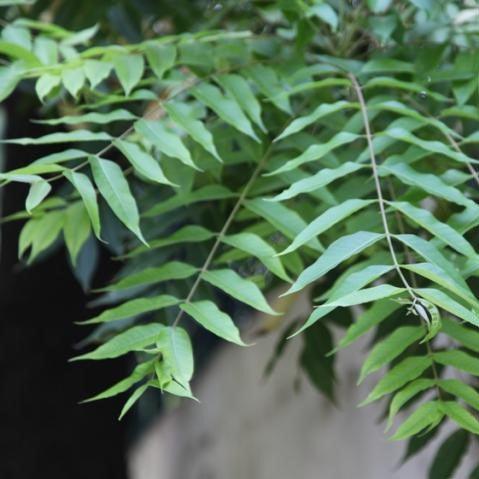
(87, 192)
(161, 58)
(9, 77)
(195, 128)
(214, 320)
(62, 137)
(321, 111)
(269, 84)
(45, 84)
(65, 155)
(46, 50)
(326, 13)
(175, 346)
(73, 79)
(115, 190)
(96, 71)
(285, 220)
(76, 229)
(459, 360)
(407, 370)
(317, 181)
(134, 307)
(145, 164)
(37, 193)
(428, 414)
(316, 152)
(431, 184)
(167, 272)
(138, 374)
(239, 288)
(463, 391)
(467, 337)
(366, 295)
(405, 395)
(256, 246)
(134, 339)
(387, 64)
(460, 416)
(166, 142)
(431, 254)
(390, 348)
(129, 70)
(368, 320)
(137, 393)
(226, 108)
(339, 251)
(441, 230)
(93, 117)
(238, 88)
(445, 302)
(325, 221)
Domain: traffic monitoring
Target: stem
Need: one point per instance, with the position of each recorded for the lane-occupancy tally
(377, 182)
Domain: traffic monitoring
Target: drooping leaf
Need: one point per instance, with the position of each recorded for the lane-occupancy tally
(45, 84)
(135, 396)
(96, 71)
(161, 58)
(73, 79)
(239, 288)
(129, 69)
(115, 190)
(390, 348)
(460, 416)
(449, 455)
(76, 229)
(37, 193)
(459, 360)
(461, 390)
(214, 320)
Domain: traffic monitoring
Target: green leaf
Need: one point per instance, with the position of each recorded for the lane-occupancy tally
(175, 346)
(460, 416)
(321, 111)
(60, 157)
(38, 192)
(441, 230)
(137, 393)
(214, 320)
(10, 76)
(428, 182)
(239, 288)
(445, 302)
(440, 277)
(269, 84)
(134, 307)
(285, 220)
(93, 117)
(238, 88)
(407, 370)
(129, 70)
(325, 221)
(339, 251)
(326, 13)
(459, 360)
(467, 337)
(161, 58)
(45, 84)
(431, 254)
(258, 247)
(73, 79)
(136, 338)
(96, 71)
(317, 181)
(62, 137)
(143, 163)
(428, 414)
(390, 348)
(138, 374)
(368, 320)
(195, 128)
(366, 295)
(115, 190)
(87, 192)
(316, 152)
(387, 64)
(449, 455)
(468, 394)
(168, 143)
(76, 229)
(405, 395)
(167, 272)
(226, 108)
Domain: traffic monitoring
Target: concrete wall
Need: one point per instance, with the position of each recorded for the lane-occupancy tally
(250, 428)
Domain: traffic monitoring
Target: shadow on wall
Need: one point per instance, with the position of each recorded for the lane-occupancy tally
(247, 427)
